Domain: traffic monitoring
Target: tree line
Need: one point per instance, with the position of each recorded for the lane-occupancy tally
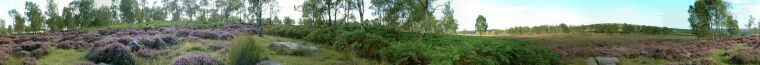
(621, 28)
(406, 15)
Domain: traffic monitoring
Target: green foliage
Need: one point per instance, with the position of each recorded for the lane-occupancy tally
(19, 21)
(449, 24)
(711, 17)
(243, 51)
(35, 17)
(387, 44)
(480, 24)
(127, 8)
(55, 20)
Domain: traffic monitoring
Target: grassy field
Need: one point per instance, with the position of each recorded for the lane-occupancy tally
(326, 55)
(576, 48)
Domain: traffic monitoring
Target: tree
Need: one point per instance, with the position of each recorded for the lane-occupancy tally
(84, 17)
(128, 8)
(257, 8)
(35, 17)
(749, 25)
(3, 30)
(19, 21)
(480, 24)
(54, 21)
(711, 17)
(102, 17)
(69, 19)
(190, 8)
(288, 21)
(449, 23)
(564, 28)
(408, 15)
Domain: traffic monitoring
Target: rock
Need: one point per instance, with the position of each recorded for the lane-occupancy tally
(267, 63)
(291, 48)
(602, 61)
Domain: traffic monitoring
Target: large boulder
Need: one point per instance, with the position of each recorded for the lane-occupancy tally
(290, 48)
(602, 61)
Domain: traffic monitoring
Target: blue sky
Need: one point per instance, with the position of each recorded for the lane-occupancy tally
(509, 13)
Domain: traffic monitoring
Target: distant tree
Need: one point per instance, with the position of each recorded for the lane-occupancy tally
(54, 21)
(449, 23)
(732, 26)
(709, 15)
(564, 28)
(19, 21)
(751, 21)
(102, 17)
(84, 17)
(3, 30)
(190, 8)
(69, 18)
(35, 17)
(480, 24)
(288, 21)
(128, 8)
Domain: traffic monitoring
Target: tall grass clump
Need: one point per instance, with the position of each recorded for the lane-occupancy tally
(243, 51)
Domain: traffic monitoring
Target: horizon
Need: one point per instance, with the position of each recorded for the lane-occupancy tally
(503, 14)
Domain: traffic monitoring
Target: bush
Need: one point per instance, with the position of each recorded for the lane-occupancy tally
(69, 44)
(244, 51)
(28, 61)
(112, 53)
(321, 36)
(84, 63)
(196, 59)
(298, 32)
(147, 53)
(5, 59)
(749, 56)
(205, 34)
(37, 49)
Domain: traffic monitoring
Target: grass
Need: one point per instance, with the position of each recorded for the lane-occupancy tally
(325, 56)
(62, 57)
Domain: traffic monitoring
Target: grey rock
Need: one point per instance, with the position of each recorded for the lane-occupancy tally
(291, 48)
(602, 61)
(267, 63)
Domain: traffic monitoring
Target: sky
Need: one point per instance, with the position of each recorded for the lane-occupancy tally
(502, 14)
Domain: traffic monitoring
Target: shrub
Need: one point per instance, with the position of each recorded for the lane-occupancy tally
(297, 32)
(113, 53)
(69, 44)
(84, 63)
(205, 34)
(244, 51)
(321, 36)
(749, 56)
(28, 61)
(147, 53)
(196, 59)
(37, 49)
(5, 59)
(158, 41)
